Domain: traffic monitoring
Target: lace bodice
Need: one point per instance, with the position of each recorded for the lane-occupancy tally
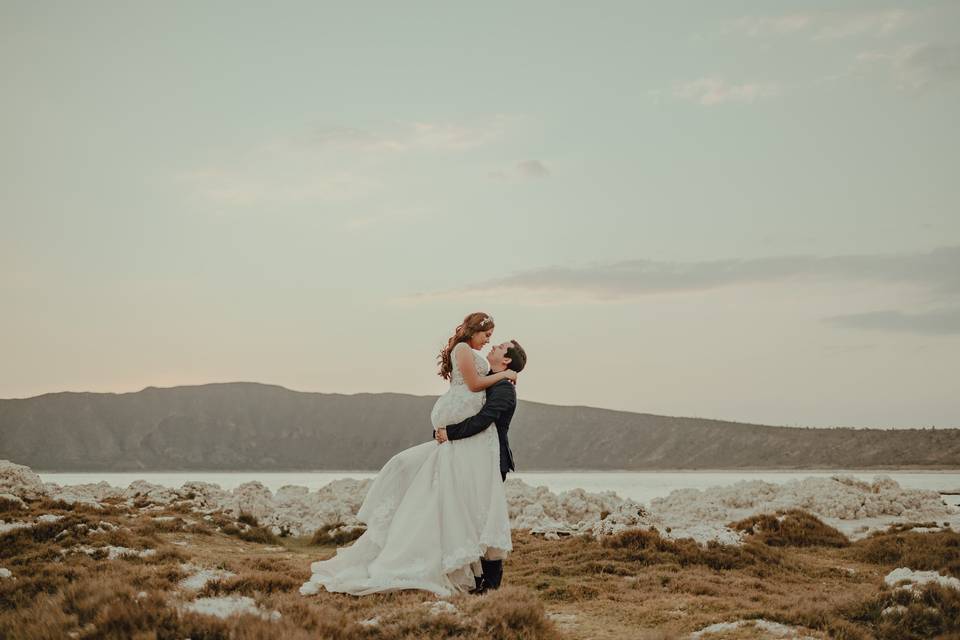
(483, 367)
(459, 403)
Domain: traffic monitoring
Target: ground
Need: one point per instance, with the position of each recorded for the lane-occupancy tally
(793, 570)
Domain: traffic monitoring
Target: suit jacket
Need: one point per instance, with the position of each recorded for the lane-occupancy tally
(498, 409)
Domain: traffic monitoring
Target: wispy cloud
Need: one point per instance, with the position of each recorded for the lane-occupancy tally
(331, 163)
(525, 169)
(401, 137)
(760, 26)
(935, 322)
(276, 184)
(388, 217)
(913, 67)
(877, 24)
(936, 272)
(823, 25)
(939, 270)
(715, 90)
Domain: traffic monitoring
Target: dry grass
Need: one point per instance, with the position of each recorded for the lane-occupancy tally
(634, 585)
(336, 535)
(933, 550)
(791, 528)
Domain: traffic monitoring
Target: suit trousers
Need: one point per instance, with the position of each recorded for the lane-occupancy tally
(492, 569)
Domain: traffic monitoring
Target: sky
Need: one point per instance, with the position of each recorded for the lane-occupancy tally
(736, 210)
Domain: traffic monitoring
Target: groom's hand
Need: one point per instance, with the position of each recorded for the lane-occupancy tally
(441, 435)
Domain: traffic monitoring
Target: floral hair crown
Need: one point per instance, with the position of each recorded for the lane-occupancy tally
(485, 321)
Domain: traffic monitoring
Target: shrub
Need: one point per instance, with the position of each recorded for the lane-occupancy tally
(248, 519)
(514, 613)
(791, 528)
(337, 533)
(926, 612)
(937, 550)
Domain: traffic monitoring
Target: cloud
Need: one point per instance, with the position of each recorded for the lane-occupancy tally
(822, 25)
(386, 218)
(869, 23)
(914, 67)
(714, 90)
(937, 270)
(525, 169)
(405, 137)
(272, 185)
(935, 322)
(331, 163)
(757, 26)
(532, 169)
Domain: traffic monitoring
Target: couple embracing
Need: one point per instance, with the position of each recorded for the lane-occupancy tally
(436, 513)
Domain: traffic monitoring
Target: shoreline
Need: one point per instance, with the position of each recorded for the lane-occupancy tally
(897, 469)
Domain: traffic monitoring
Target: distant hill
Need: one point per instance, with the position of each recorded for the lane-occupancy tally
(250, 426)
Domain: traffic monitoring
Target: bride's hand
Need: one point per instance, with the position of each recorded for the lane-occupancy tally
(510, 375)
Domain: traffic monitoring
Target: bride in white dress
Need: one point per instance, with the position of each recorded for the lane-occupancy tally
(433, 511)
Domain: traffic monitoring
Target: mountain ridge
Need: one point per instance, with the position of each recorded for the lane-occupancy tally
(256, 426)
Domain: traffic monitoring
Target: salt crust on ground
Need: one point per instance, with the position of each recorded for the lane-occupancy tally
(775, 629)
(113, 553)
(851, 505)
(199, 577)
(226, 606)
(918, 578)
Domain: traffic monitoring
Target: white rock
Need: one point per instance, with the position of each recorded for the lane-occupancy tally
(918, 578)
(20, 481)
(297, 511)
(49, 517)
(113, 553)
(89, 494)
(897, 609)
(855, 507)
(9, 497)
(200, 576)
(152, 493)
(774, 629)
(11, 526)
(250, 497)
(563, 620)
(201, 496)
(5, 573)
(836, 500)
(627, 515)
(441, 606)
(226, 606)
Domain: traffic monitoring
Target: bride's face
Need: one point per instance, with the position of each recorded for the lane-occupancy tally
(480, 339)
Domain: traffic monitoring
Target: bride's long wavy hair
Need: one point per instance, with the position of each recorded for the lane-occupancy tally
(472, 324)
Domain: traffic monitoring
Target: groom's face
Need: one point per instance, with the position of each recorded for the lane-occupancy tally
(498, 356)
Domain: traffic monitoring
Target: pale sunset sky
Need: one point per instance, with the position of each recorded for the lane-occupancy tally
(733, 210)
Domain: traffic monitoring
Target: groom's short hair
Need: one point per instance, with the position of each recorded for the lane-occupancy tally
(518, 357)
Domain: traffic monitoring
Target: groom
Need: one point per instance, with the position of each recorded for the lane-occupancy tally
(498, 410)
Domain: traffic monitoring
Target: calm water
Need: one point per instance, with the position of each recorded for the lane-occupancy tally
(640, 486)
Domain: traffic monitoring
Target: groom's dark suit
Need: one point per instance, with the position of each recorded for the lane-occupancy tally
(497, 410)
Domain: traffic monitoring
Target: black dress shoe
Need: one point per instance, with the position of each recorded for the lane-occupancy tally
(482, 587)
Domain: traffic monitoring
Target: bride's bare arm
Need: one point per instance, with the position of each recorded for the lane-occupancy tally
(474, 381)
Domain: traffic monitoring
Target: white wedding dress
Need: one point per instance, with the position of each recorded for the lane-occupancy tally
(431, 513)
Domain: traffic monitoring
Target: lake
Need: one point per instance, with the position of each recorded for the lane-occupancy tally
(641, 486)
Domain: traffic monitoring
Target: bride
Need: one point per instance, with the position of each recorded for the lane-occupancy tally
(434, 510)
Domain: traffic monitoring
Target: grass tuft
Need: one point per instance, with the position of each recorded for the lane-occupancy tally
(935, 550)
(791, 528)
